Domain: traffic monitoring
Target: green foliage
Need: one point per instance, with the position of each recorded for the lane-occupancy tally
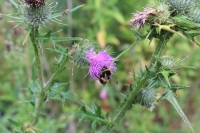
(170, 97)
(20, 86)
(94, 115)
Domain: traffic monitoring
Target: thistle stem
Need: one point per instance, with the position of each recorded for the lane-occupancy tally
(38, 104)
(59, 68)
(39, 100)
(129, 101)
(37, 56)
(138, 85)
(157, 52)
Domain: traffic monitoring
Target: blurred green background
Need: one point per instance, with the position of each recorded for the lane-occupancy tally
(105, 22)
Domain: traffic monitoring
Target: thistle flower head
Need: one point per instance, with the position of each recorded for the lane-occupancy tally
(35, 3)
(146, 98)
(99, 60)
(168, 62)
(194, 14)
(36, 12)
(79, 53)
(162, 14)
(141, 17)
(181, 5)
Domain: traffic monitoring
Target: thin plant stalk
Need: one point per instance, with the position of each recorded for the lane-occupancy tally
(40, 99)
(126, 106)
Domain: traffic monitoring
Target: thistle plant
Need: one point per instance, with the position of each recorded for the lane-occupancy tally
(35, 14)
(163, 19)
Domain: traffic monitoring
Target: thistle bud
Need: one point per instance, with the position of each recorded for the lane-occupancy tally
(181, 5)
(146, 98)
(79, 53)
(167, 62)
(36, 12)
(194, 15)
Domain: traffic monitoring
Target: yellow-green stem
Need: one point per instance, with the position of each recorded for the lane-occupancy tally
(157, 53)
(138, 86)
(37, 56)
(39, 100)
(38, 104)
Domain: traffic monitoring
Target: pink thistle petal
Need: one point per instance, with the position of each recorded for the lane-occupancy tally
(141, 17)
(98, 61)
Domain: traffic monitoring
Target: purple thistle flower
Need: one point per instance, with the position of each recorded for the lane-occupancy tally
(141, 17)
(98, 61)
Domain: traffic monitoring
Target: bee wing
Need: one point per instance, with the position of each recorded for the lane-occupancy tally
(114, 80)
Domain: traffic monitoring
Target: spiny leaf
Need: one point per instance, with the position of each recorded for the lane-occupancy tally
(94, 107)
(131, 87)
(182, 60)
(191, 35)
(61, 13)
(51, 36)
(124, 95)
(92, 116)
(166, 75)
(62, 90)
(75, 8)
(170, 97)
(138, 35)
(122, 53)
(73, 98)
(178, 86)
(188, 67)
(93, 125)
(26, 37)
(14, 122)
(153, 84)
(14, 3)
(162, 97)
(184, 22)
(81, 120)
(55, 40)
(98, 112)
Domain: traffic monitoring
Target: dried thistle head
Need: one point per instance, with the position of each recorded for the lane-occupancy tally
(158, 13)
(141, 17)
(35, 3)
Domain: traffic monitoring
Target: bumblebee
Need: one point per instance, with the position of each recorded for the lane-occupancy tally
(105, 76)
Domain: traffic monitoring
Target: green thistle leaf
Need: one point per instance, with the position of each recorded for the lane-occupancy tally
(14, 122)
(94, 115)
(166, 75)
(14, 3)
(170, 97)
(183, 21)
